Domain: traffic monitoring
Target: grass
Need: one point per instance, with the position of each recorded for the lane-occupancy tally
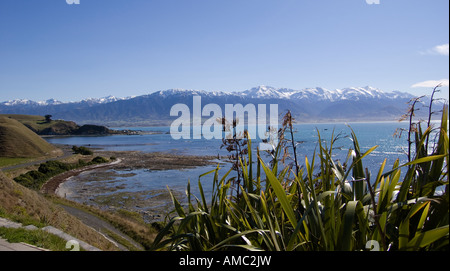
(36, 238)
(321, 205)
(6, 161)
(17, 141)
(21, 215)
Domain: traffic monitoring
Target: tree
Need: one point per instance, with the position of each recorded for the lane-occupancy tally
(48, 118)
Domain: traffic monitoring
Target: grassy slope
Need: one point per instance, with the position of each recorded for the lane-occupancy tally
(16, 140)
(29, 207)
(34, 121)
(38, 123)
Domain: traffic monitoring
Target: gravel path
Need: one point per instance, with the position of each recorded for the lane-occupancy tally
(101, 226)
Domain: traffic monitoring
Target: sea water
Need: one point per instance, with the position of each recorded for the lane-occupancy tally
(159, 139)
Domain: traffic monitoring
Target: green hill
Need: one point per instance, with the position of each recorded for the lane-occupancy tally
(16, 140)
(42, 126)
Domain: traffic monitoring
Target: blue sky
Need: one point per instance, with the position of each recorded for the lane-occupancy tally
(49, 49)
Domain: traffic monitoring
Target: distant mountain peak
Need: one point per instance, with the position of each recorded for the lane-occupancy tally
(16, 102)
(266, 92)
(50, 102)
(188, 92)
(102, 100)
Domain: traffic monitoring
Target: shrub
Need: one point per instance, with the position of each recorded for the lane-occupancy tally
(81, 163)
(32, 179)
(82, 150)
(99, 160)
(54, 167)
(36, 178)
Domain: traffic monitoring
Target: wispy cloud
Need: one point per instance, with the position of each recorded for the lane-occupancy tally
(442, 49)
(431, 83)
(438, 50)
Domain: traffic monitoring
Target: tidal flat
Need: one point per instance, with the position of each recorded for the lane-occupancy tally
(136, 181)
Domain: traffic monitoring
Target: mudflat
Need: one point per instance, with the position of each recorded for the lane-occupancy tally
(152, 204)
(134, 160)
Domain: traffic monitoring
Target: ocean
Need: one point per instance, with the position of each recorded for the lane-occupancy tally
(159, 139)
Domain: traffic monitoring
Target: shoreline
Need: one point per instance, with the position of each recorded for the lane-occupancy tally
(151, 204)
(115, 133)
(52, 185)
(128, 160)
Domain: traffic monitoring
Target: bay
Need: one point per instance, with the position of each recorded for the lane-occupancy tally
(368, 134)
(158, 139)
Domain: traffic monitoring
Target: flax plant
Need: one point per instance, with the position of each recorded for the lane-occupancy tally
(322, 205)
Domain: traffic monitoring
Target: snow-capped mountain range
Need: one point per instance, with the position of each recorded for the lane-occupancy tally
(311, 104)
(260, 92)
(102, 100)
(267, 92)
